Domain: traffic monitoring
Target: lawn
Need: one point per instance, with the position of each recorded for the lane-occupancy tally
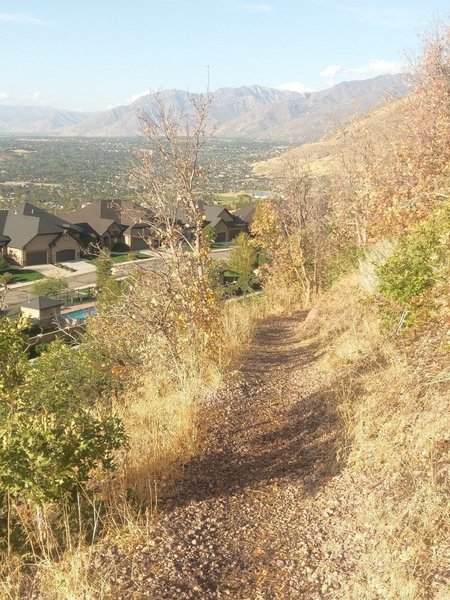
(23, 275)
(121, 258)
(234, 201)
(126, 257)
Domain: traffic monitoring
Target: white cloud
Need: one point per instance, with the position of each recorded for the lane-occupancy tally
(335, 73)
(35, 96)
(331, 71)
(4, 96)
(374, 68)
(256, 8)
(137, 96)
(20, 18)
(294, 86)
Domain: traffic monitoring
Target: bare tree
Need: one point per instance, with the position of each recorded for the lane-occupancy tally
(168, 175)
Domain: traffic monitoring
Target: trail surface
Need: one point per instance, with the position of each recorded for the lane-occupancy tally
(260, 514)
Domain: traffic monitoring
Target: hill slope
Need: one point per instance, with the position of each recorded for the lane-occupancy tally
(321, 157)
(35, 119)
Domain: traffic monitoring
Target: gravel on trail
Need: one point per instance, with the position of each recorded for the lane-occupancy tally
(265, 511)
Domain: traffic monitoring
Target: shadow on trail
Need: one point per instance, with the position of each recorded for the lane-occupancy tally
(272, 429)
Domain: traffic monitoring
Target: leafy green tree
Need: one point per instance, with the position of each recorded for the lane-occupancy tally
(209, 235)
(104, 268)
(50, 286)
(3, 261)
(243, 261)
(13, 361)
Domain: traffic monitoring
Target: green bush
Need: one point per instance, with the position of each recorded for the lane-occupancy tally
(104, 266)
(50, 286)
(343, 263)
(120, 247)
(420, 260)
(54, 429)
(209, 234)
(243, 263)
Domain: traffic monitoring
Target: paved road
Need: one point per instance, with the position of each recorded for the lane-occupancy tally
(18, 295)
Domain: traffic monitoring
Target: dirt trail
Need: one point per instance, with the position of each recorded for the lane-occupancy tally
(259, 515)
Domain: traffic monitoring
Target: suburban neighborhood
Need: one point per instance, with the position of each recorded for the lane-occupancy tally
(64, 245)
(32, 236)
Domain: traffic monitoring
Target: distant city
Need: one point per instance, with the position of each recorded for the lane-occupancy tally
(65, 173)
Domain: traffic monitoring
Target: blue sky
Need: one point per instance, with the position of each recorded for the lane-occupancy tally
(90, 55)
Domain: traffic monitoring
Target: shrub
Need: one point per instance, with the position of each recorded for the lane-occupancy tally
(243, 262)
(104, 268)
(420, 261)
(6, 279)
(343, 263)
(209, 234)
(53, 430)
(120, 247)
(49, 286)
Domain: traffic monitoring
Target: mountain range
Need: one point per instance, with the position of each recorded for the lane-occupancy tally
(248, 112)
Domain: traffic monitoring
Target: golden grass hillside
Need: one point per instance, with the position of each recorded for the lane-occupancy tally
(321, 158)
(393, 395)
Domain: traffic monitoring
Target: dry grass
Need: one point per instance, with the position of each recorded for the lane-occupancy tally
(165, 418)
(393, 394)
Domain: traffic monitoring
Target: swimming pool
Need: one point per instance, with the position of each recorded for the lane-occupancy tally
(81, 315)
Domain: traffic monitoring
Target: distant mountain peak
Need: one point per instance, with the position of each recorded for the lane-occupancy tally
(252, 111)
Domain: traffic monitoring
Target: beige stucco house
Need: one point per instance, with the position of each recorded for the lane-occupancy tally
(38, 237)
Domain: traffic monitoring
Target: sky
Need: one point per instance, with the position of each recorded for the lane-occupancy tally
(96, 54)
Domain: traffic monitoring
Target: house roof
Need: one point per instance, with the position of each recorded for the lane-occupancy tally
(4, 239)
(104, 213)
(246, 213)
(24, 222)
(43, 302)
(214, 214)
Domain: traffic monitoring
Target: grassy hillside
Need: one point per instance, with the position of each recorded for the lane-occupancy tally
(391, 384)
(323, 157)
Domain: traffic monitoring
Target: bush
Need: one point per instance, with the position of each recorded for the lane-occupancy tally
(53, 430)
(209, 233)
(243, 262)
(6, 279)
(104, 268)
(49, 286)
(120, 247)
(420, 260)
(343, 263)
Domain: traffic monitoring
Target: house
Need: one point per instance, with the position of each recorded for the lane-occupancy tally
(226, 225)
(246, 214)
(42, 311)
(4, 241)
(38, 237)
(111, 222)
